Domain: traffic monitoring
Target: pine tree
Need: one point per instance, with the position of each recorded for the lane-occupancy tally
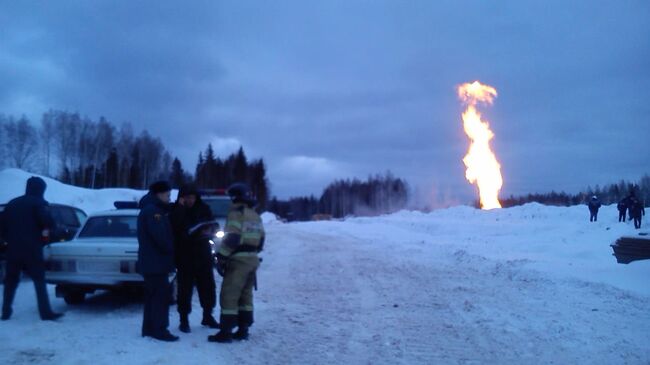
(198, 174)
(240, 167)
(177, 177)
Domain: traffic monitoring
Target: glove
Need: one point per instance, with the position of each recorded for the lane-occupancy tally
(221, 264)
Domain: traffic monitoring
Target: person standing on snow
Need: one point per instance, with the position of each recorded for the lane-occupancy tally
(156, 260)
(594, 205)
(622, 209)
(237, 263)
(194, 258)
(637, 211)
(26, 224)
(629, 202)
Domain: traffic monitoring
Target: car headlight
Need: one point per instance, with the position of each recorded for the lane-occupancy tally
(220, 234)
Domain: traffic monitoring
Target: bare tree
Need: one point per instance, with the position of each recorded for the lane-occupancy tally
(104, 140)
(21, 142)
(47, 135)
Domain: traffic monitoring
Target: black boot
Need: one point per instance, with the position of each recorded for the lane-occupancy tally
(208, 320)
(6, 314)
(53, 316)
(225, 334)
(166, 337)
(184, 326)
(244, 321)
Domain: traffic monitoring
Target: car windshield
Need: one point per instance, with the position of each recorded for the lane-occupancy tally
(111, 226)
(219, 206)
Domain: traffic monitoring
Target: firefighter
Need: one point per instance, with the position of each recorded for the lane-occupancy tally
(237, 262)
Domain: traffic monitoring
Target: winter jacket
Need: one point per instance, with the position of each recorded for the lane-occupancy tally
(244, 231)
(594, 205)
(24, 220)
(155, 240)
(622, 207)
(191, 250)
(637, 209)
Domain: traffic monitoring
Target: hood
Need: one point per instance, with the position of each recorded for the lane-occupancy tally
(35, 187)
(148, 199)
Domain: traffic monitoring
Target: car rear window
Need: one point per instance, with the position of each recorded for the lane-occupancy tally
(115, 226)
(219, 207)
(65, 216)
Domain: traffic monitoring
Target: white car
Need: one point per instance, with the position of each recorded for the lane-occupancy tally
(102, 255)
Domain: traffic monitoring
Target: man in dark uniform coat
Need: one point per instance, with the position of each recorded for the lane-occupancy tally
(156, 260)
(26, 223)
(194, 257)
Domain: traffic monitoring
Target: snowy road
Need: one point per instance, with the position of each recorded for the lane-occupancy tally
(416, 289)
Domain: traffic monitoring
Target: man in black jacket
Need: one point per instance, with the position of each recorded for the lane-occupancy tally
(156, 260)
(27, 221)
(637, 211)
(194, 257)
(594, 205)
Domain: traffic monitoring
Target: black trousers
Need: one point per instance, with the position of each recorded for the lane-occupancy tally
(157, 297)
(621, 216)
(593, 217)
(35, 268)
(203, 279)
(637, 222)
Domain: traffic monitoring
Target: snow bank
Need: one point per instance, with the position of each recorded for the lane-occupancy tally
(12, 184)
(269, 218)
(559, 241)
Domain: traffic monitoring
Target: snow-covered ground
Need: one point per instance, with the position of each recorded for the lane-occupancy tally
(525, 285)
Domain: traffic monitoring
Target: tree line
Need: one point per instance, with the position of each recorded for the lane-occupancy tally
(608, 194)
(83, 152)
(214, 172)
(377, 195)
(95, 154)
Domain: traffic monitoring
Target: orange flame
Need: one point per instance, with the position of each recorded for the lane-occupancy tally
(483, 169)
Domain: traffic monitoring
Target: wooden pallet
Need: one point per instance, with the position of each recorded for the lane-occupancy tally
(632, 248)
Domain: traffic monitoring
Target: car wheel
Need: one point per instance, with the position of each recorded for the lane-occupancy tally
(74, 297)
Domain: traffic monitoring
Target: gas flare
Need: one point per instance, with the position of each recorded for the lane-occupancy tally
(483, 169)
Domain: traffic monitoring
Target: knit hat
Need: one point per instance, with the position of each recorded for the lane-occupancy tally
(188, 189)
(159, 187)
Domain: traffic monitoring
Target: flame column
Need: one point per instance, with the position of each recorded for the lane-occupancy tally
(483, 168)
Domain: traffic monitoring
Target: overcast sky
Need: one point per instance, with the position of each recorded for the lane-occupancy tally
(333, 89)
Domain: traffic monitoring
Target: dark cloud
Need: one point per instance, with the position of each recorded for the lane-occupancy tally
(332, 88)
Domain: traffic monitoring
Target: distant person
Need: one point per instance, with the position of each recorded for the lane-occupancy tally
(238, 263)
(156, 260)
(594, 205)
(629, 201)
(637, 211)
(26, 224)
(622, 210)
(194, 257)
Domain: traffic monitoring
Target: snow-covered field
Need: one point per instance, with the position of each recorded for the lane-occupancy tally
(525, 285)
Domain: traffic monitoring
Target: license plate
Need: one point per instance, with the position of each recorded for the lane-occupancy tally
(98, 266)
